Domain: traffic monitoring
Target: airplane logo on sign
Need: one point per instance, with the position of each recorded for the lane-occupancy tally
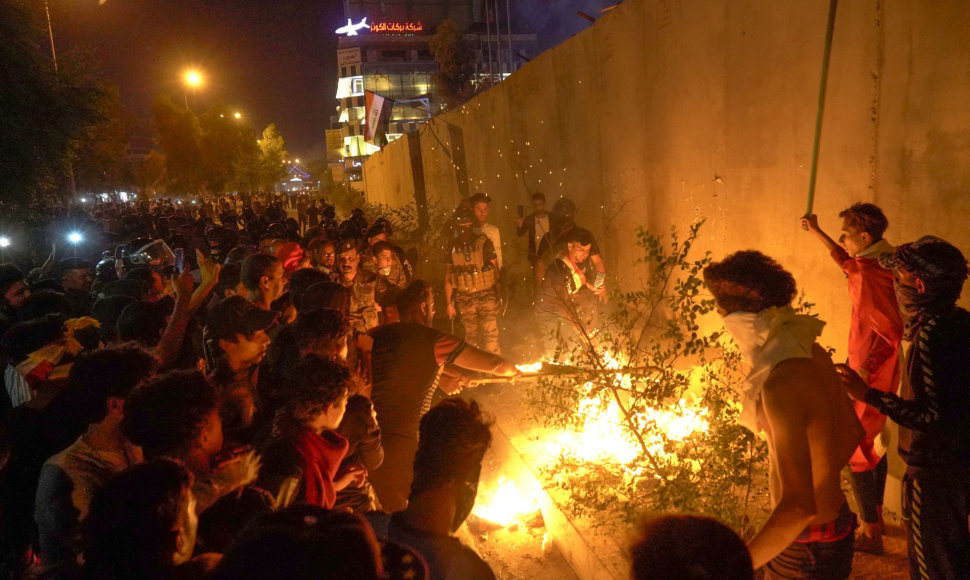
(351, 28)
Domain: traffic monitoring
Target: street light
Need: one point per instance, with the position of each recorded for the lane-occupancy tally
(4, 242)
(193, 80)
(75, 238)
(238, 115)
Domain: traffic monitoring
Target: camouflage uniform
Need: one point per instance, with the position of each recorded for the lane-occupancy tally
(475, 278)
(363, 306)
(479, 315)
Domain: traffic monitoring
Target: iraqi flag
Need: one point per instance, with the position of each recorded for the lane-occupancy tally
(377, 110)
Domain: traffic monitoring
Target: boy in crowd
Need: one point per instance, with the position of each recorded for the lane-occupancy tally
(875, 331)
(301, 463)
(235, 335)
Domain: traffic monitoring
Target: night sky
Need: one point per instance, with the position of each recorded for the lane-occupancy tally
(274, 60)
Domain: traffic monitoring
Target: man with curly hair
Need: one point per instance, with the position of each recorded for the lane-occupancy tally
(793, 395)
(303, 458)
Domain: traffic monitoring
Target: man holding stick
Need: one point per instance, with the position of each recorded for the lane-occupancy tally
(875, 331)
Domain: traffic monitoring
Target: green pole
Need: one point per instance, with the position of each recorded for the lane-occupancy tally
(833, 5)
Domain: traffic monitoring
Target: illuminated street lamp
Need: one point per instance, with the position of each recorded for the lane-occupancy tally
(193, 80)
(75, 238)
(238, 115)
(4, 242)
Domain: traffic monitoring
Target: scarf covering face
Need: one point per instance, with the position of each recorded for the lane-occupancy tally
(941, 266)
(765, 339)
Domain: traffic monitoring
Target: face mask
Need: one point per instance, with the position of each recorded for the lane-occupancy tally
(384, 271)
(748, 331)
(907, 297)
(465, 498)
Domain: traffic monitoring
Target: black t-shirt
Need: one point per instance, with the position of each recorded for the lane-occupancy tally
(405, 363)
(559, 278)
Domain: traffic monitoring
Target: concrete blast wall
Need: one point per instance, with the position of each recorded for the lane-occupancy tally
(666, 111)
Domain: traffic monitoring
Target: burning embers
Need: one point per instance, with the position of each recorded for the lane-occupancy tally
(506, 505)
(601, 433)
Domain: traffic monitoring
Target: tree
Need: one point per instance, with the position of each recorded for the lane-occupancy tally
(455, 64)
(44, 114)
(100, 164)
(653, 424)
(150, 173)
(228, 149)
(178, 134)
(272, 157)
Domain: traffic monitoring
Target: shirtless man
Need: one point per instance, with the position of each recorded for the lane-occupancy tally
(794, 396)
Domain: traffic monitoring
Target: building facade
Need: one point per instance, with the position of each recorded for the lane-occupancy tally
(384, 48)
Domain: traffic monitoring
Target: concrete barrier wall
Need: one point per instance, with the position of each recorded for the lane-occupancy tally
(666, 111)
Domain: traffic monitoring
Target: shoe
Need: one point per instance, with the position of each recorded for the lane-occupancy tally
(870, 544)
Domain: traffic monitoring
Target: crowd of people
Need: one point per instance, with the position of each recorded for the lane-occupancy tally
(188, 382)
(211, 388)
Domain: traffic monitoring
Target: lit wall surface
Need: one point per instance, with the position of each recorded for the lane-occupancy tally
(667, 111)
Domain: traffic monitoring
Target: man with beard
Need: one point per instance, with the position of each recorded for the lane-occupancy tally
(934, 409)
(410, 361)
(793, 396)
(471, 283)
(361, 283)
(566, 301)
(323, 255)
(564, 214)
(14, 292)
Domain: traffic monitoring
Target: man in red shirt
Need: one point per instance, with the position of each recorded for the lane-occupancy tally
(875, 332)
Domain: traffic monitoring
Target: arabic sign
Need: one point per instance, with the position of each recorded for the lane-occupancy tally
(351, 29)
(396, 27)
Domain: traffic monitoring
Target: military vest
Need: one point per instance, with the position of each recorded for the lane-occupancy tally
(469, 272)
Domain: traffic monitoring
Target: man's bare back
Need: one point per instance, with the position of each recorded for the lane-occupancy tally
(812, 432)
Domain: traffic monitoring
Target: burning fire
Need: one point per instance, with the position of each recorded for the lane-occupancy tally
(600, 436)
(506, 504)
(530, 368)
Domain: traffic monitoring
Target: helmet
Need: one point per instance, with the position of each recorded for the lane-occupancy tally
(462, 215)
(147, 252)
(381, 226)
(564, 207)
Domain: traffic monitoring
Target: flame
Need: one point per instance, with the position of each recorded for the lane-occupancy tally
(530, 368)
(601, 436)
(506, 504)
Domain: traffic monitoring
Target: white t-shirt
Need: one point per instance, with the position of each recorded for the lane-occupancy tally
(542, 228)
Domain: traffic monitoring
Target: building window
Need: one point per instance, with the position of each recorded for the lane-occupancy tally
(358, 86)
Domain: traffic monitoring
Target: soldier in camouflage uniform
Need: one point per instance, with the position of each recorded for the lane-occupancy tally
(361, 283)
(471, 283)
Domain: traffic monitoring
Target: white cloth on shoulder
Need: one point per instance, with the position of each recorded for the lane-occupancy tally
(765, 339)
